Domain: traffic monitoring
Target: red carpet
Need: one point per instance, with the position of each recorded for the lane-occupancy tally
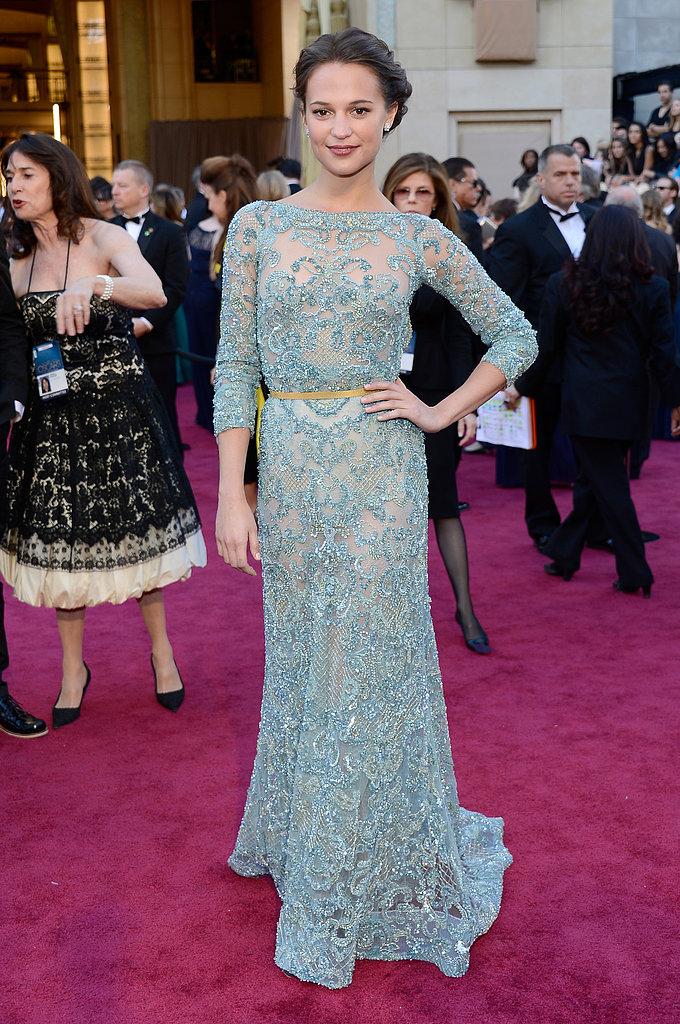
(117, 907)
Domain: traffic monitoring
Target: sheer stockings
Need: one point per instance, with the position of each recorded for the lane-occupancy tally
(453, 548)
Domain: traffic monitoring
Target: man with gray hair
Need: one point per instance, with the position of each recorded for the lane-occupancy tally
(163, 245)
(527, 250)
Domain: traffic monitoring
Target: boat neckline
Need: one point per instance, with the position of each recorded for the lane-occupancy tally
(335, 213)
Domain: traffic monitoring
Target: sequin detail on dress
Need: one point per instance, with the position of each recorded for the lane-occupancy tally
(352, 806)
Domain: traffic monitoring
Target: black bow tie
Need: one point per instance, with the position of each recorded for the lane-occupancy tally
(563, 216)
(133, 220)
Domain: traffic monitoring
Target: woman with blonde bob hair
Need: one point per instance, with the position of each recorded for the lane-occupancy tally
(271, 185)
(440, 361)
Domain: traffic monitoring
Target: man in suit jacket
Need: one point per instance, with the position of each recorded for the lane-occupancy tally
(527, 250)
(13, 387)
(668, 189)
(163, 245)
(466, 187)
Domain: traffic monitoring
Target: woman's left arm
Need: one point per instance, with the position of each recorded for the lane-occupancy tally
(452, 270)
(137, 285)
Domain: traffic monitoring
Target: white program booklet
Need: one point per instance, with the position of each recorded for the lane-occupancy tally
(514, 428)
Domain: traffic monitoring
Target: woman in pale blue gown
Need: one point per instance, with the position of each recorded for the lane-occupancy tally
(352, 807)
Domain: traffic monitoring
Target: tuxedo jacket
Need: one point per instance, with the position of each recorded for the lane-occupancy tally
(14, 348)
(605, 379)
(163, 245)
(443, 358)
(527, 250)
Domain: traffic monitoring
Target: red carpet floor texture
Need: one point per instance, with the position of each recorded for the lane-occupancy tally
(116, 903)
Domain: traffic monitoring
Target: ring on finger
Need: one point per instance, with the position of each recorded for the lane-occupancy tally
(77, 309)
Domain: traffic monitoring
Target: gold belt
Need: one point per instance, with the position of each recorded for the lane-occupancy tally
(324, 395)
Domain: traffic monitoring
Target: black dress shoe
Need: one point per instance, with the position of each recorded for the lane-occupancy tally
(648, 536)
(172, 700)
(557, 569)
(623, 588)
(477, 644)
(65, 716)
(17, 722)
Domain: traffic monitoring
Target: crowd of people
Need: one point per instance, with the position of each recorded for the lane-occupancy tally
(561, 189)
(118, 286)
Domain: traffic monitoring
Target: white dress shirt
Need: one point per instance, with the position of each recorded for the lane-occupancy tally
(136, 229)
(573, 231)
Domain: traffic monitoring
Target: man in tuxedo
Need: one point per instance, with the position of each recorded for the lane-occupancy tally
(13, 384)
(668, 192)
(527, 250)
(466, 188)
(163, 245)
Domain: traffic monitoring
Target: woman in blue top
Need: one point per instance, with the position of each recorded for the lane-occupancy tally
(352, 807)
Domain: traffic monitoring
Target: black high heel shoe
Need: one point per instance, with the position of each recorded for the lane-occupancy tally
(477, 644)
(172, 700)
(65, 716)
(625, 589)
(556, 569)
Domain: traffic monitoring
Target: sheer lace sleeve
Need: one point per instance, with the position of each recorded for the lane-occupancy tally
(238, 364)
(452, 270)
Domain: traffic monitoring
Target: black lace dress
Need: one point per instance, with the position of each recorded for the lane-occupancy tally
(99, 508)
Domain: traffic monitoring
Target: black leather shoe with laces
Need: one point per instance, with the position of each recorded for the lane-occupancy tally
(17, 722)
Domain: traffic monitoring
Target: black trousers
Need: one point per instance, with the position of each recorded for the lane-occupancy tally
(4, 652)
(540, 511)
(602, 485)
(162, 369)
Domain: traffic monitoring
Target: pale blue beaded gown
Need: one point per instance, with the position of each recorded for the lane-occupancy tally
(352, 807)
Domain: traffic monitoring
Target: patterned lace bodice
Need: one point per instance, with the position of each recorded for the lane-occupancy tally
(316, 301)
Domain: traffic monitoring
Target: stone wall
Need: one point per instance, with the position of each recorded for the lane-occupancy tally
(491, 112)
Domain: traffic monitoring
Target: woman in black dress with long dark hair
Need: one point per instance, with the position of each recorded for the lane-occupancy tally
(609, 316)
(99, 508)
(442, 360)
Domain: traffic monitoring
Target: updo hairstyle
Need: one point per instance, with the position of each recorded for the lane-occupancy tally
(354, 46)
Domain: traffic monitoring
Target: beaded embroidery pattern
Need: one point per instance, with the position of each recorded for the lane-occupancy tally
(352, 806)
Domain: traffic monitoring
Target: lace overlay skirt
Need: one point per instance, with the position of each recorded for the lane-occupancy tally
(99, 508)
(352, 807)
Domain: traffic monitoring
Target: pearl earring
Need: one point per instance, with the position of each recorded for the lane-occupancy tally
(387, 127)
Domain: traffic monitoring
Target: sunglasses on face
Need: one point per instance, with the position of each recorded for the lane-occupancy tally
(420, 193)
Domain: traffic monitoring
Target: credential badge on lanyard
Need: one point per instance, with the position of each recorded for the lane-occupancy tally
(49, 370)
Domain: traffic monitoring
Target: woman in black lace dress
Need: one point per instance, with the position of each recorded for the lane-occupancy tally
(99, 508)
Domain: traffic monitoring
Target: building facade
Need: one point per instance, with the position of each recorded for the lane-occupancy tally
(171, 81)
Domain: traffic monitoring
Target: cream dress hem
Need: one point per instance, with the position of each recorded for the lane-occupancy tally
(51, 588)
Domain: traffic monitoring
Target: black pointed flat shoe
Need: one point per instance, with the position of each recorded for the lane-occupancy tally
(65, 716)
(556, 569)
(477, 644)
(172, 700)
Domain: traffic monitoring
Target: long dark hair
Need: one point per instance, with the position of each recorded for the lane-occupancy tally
(615, 257)
(72, 198)
(235, 176)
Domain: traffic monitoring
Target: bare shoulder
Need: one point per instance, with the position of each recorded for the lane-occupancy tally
(107, 236)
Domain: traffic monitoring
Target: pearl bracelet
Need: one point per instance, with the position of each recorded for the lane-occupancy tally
(108, 286)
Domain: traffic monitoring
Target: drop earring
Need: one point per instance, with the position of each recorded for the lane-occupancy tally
(387, 128)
